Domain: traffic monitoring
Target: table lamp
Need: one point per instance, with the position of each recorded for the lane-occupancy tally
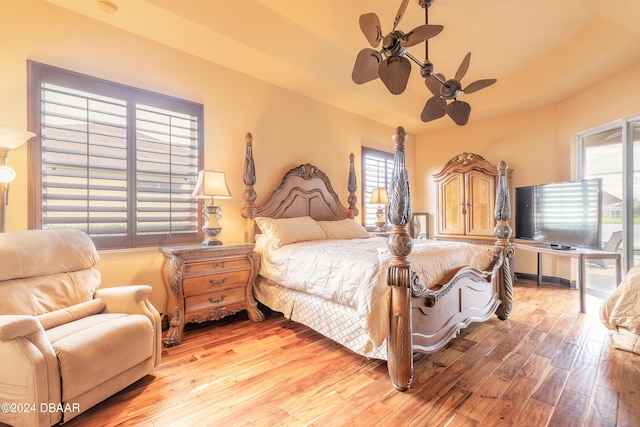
(10, 139)
(211, 184)
(379, 197)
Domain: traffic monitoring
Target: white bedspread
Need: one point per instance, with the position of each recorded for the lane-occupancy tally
(354, 272)
(621, 312)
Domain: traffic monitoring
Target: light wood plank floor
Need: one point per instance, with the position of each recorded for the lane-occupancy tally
(547, 365)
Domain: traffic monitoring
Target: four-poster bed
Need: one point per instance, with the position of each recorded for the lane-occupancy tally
(414, 305)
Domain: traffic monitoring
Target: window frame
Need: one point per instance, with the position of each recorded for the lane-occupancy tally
(365, 193)
(135, 99)
(628, 140)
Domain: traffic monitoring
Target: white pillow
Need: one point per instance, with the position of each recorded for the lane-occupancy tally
(343, 229)
(284, 231)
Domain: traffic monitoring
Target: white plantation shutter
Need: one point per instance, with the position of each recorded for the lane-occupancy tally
(377, 167)
(117, 162)
(166, 171)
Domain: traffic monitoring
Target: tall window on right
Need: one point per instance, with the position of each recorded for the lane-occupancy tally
(612, 153)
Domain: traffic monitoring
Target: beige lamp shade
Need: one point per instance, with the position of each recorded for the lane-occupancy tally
(379, 196)
(211, 184)
(14, 138)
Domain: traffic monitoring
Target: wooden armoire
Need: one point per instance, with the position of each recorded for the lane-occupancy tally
(466, 200)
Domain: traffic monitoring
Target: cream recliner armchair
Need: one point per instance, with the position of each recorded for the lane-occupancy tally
(66, 345)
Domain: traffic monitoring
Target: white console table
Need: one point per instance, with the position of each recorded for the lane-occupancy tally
(582, 255)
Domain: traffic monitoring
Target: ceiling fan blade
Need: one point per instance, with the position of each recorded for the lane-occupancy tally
(464, 66)
(420, 34)
(459, 112)
(366, 66)
(479, 84)
(433, 109)
(403, 7)
(394, 73)
(433, 84)
(371, 28)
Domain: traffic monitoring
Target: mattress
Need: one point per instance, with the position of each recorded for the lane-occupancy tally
(347, 278)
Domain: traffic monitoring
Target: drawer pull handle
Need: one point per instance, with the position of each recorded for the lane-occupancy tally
(220, 283)
(215, 301)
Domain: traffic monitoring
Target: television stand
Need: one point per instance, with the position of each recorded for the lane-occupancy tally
(582, 255)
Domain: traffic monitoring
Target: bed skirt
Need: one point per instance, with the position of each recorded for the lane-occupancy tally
(337, 322)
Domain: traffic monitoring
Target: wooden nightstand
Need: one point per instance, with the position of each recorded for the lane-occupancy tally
(208, 283)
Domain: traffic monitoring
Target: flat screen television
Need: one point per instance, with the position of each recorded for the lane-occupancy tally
(564, 214)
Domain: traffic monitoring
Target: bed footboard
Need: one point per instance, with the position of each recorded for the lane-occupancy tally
(424, 320)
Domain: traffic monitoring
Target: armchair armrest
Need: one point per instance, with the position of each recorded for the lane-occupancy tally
(29, 370)
(124, 299)
(14, 326)
(133, 300)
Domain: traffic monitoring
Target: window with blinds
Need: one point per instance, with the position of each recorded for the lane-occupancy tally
(115, 161)
(377, 169)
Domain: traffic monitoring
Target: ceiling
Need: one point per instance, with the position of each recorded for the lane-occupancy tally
(540, 51)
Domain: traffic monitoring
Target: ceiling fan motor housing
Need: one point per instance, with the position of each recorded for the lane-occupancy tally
(391, 44)
(451, 89)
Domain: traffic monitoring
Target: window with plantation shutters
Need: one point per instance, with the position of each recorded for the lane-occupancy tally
(377, 169)
(118, 162)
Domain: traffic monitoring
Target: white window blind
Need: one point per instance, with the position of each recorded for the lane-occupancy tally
(117, 162)
(377, 169)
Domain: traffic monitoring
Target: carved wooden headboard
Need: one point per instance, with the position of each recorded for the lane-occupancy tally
(304, 191)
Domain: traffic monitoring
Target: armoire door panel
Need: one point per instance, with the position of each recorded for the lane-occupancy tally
(451, 204)
(481, 197)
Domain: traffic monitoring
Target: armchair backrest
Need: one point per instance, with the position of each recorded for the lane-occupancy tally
(46, 270)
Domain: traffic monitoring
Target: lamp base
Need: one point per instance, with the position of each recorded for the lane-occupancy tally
(213, 242)
(211, 236)
(380, 222)
(211, 228)
(380, 227)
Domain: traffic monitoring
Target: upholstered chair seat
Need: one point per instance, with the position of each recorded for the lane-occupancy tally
(66, 345)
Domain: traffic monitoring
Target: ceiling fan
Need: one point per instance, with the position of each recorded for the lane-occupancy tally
(444, 90)
(394, 69)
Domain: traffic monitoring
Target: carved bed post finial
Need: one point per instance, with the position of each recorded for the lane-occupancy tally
(352, 186)
(249, 195)
(400, 346)
(504, 248)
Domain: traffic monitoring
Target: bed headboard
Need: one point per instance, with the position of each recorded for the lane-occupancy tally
(304, 191)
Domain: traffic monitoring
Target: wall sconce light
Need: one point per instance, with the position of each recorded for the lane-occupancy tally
(10, 139)
(379, 197)
(211, 184)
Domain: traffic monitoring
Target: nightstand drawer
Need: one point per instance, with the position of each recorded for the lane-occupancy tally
(217, 266)
(215, 282)
(213, 300)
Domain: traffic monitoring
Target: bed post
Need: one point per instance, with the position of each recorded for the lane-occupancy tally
(400, 346)
(249, 195)
(352, 186)
(504, 249)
